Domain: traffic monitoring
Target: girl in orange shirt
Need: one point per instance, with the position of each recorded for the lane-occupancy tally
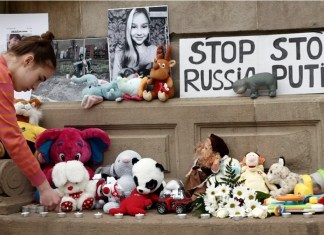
(22, 68)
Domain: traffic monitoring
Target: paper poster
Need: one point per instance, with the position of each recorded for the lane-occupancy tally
(14, 27)
(209, 66)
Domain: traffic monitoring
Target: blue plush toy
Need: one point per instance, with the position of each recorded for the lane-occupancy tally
(97, 90)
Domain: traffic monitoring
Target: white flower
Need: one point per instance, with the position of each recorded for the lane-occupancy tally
(239, 210)
(223, 190)
(221, 213)
(259, 212)
(211, 193)
(239, 192)
(231, 204)
(211, 206)
(250, 206)
(250, 195)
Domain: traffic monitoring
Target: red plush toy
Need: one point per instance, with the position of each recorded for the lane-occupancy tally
(134, 204)
(62, 145)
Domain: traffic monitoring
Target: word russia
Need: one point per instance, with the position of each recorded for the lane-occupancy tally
(210, 66)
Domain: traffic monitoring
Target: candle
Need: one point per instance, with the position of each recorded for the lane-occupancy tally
(43, 213)
(182, 216)
(308, 215)
(286, 214)
(25, 214)
(119, 216)
(98, 215)
(61, 214)
(139, 216)
(78, 214)
(205, 216)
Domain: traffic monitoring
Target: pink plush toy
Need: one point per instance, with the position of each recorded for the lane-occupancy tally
(62, 145)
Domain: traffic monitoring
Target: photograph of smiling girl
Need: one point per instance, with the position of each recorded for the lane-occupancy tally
(133, 37)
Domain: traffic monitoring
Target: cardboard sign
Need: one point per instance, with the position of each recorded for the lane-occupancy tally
(209, 66)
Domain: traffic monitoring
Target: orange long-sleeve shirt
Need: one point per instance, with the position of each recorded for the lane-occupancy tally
(10, 133)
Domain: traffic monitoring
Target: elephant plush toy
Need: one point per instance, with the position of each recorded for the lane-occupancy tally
(67, 144)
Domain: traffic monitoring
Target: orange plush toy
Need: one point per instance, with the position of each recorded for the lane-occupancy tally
(160, 78)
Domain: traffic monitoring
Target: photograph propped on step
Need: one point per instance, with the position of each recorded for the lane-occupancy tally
(76, 58)
(133, 37)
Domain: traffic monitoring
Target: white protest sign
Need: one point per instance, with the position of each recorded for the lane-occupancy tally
(209, 66)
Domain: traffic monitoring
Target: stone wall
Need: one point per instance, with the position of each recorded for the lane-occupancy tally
(289, 126)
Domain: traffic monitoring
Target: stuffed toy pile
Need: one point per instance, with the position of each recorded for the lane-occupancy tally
(121, 170)
(149, 179)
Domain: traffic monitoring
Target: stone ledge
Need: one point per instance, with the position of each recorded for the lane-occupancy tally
(154, 223)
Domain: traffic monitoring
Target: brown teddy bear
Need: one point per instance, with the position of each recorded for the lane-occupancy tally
(208, 154)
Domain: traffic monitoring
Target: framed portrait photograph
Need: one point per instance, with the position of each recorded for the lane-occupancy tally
(133, 37)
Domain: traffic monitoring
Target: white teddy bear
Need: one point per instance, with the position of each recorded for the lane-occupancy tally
(72, 180)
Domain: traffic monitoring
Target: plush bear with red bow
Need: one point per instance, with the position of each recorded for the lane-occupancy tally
(149, 179)
(68, 144)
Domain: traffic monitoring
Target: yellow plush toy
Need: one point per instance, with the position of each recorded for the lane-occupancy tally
(28, 116)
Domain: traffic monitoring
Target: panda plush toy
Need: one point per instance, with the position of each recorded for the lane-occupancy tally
(149, 179)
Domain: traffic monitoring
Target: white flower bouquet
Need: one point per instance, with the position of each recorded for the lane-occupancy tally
(230, 198)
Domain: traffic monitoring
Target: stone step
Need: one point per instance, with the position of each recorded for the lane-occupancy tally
(154, 223)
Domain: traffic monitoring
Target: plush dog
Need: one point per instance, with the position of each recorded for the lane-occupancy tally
(280, 175)
(113, 192)
(72, 180)
(67, 144)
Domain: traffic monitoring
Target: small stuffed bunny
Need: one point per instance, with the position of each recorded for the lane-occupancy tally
(113, 192)
(72, 180)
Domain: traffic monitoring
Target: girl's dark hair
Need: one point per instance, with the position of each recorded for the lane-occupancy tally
(40, 46)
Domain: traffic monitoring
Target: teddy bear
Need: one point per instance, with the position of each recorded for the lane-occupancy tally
(113, 192)
(208, 155)
(149, 179)
(253, 173)
(280, 175)
(28, 115)
(121, 169)
(72, 181)
(67, 144)
(160, 77)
